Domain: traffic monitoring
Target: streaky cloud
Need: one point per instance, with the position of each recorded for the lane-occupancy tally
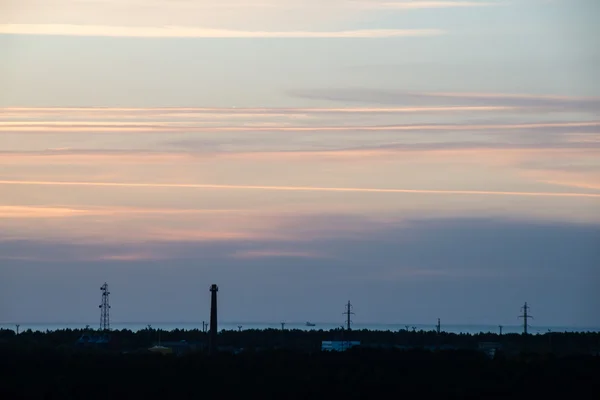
(25, 111)
(7, 211)
(581, 185)
(86, 156)
(300, 188)
(400, 97)
(140, 127)
(414, 5)
(192, 32)
(275, 253)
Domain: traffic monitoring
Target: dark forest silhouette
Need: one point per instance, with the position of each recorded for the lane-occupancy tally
(288, 364)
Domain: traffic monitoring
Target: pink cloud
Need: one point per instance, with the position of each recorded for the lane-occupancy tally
(301, 188)
(275, 253)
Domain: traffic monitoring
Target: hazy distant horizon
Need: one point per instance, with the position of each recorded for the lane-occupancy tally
(325, 326)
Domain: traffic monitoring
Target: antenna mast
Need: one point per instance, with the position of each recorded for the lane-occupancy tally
(525, 316)
(348, 312)
(104, 309)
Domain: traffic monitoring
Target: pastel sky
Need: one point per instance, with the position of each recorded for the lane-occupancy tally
(422, 159)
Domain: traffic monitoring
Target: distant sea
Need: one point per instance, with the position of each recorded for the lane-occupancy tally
(169, 326)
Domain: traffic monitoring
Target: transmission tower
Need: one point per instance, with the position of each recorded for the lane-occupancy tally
(525, 316)
(348, 312)
(438, 327)
(104, 309)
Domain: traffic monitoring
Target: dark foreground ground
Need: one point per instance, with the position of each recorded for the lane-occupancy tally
(276, 364)
(285, 374)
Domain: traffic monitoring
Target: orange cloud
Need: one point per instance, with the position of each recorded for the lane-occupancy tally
(274, 253)
(64, 212)
(166, 127)
(302, 188)
(245, 111)
(125, 257)
(194, 32)
(575, 184)
(66, 157)
(194, 235)
(586, 178)
(506, 154)
(38, 212)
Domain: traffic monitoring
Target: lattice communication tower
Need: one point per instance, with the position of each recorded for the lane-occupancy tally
(104, 309)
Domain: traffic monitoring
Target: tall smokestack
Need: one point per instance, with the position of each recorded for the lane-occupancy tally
(212, 339)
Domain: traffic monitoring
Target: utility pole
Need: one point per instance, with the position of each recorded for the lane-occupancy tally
(348, 312)
(500, 326)
(239, 328)
(18, 328)
(438, 327)
(283, 326)
(525, 316)
(104, 309)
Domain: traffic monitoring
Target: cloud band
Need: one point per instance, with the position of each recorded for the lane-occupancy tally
(192, 32)
(302, 188)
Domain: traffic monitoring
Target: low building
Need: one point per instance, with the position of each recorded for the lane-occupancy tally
(177, 348)
(94, 340)
(338, 345)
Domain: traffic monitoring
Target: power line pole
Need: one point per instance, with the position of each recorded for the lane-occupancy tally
(283, 326)
(525, 316)
(348, 312)
(500, 326)
(18, 328)
(104, 309)
(438, 327)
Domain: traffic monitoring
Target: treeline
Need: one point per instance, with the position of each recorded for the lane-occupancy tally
(559, 343)
(286, 374)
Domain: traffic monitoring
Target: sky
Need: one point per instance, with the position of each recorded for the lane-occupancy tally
(421, 159)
